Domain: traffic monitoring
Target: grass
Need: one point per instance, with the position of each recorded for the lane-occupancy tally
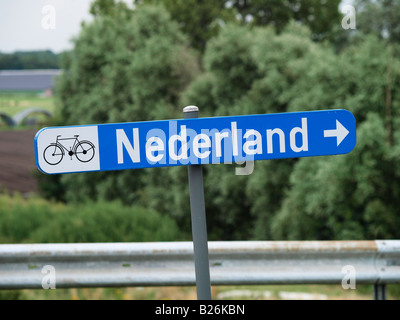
(277, 292)
(11, 103)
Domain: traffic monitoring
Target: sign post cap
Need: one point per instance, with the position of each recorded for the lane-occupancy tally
(190, 109)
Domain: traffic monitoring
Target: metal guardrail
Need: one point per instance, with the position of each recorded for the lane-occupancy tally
(171, 263)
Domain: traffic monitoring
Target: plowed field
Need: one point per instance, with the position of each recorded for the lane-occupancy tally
(17, 161)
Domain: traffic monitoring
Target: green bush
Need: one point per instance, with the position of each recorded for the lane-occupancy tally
(39, 221)
(19, 218)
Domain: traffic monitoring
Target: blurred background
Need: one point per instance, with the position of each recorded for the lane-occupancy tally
(106, 61)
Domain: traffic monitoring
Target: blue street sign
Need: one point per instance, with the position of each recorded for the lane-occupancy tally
(123, 146)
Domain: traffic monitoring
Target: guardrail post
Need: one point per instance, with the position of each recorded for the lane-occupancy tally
(199, 226)
(380, 291)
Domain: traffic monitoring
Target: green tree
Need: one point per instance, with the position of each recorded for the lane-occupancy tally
(123, 68)
(108, 8)
(379, 17)
(319, 16)
(353, 196)
(307, 198)
(200, 20)
(23, 60)
(249, 71)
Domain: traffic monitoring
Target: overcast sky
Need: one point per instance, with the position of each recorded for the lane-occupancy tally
(28, 25)
(24, 26)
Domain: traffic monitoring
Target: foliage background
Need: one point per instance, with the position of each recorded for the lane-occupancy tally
(234, 58)
(38, 221)
(29, 60)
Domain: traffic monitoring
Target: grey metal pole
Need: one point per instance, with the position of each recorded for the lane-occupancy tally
(199, 225)
(379, 291)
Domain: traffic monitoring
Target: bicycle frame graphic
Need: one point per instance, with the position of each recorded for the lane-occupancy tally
(84, 150)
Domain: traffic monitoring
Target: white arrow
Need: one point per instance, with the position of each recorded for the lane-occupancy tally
(340, 133)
